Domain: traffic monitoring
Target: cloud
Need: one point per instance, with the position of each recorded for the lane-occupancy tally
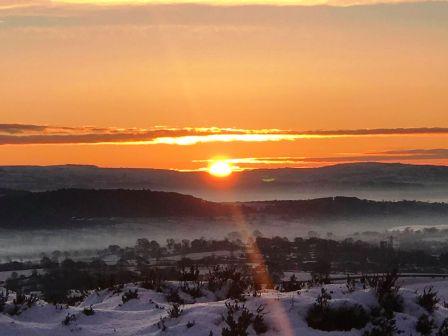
(213, 13)
(221, 3)
(25, 134)
(385, 156)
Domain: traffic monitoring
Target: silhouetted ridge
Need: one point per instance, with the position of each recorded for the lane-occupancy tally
(52, 207)
(61, 208)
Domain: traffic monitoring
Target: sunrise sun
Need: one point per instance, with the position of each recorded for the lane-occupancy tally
(220, 168)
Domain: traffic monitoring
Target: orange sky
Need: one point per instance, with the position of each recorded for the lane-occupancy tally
(297, 69)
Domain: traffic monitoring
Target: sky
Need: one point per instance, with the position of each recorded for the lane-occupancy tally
(264, 84)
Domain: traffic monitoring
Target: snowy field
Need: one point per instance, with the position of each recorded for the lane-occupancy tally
(285, 313)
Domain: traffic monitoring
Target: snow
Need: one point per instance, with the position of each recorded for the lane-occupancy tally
(286, 313)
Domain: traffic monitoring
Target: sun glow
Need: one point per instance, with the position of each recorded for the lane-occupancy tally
(220, 168)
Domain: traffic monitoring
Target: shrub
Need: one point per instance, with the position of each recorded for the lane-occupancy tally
(292, 285)
(237, 327)
(236, 280)
(383, 325)
(31, 300)
(425, 325)
(386, 290)
(392, 302)
(161, 324)
(350, 284)
(20, 299)
(3, 300)
(117, 289)
(258, 323)
(173, 296)
(129, 295)
(192, 274)
(152, 279)
(194, 291)
(323, 300)
(443, 330)
(344, 318)
(69, 319)
(88, 311)
(20, 303)
(174, 311)
(428, 300)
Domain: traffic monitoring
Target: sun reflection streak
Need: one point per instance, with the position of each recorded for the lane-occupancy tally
(283, 323)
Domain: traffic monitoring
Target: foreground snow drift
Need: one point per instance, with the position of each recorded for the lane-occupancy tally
(285, 313)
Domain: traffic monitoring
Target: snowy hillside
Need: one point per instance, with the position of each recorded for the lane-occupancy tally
(149, 313)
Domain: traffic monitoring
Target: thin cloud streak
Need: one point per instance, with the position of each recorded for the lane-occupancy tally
(16, 3)
(385, 156)
(25, 134)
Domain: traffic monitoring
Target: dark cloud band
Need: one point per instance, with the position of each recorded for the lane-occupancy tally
(25, 134)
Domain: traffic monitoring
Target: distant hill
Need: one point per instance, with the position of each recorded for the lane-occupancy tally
(350, 208)
(68, 207)
(377, 181)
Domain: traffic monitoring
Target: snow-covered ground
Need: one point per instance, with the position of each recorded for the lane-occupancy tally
(285, 313)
